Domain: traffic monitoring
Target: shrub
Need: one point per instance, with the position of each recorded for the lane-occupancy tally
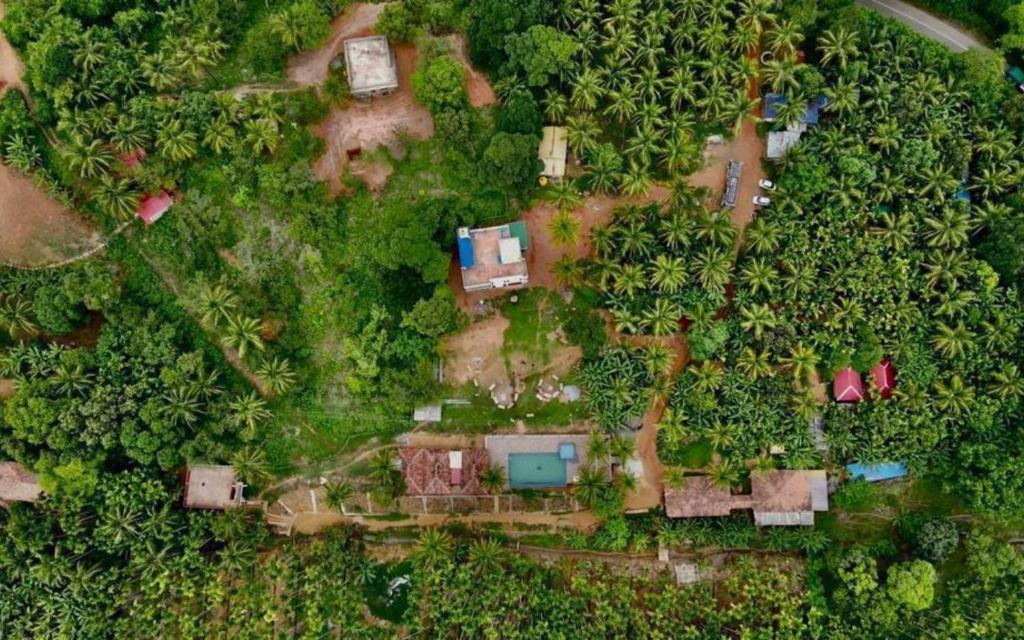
(707, 343)
(857, 495)
(520, 114)
(586, 328)
(397, 23)
(440, 84)
(511, 159)
(936, 540)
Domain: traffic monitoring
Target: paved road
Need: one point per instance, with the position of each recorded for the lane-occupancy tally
(925, 24)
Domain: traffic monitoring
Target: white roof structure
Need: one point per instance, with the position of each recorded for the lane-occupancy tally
(212, 487)
(779, 142)
(553, 151)
(370, 65)
(510, 251)
(455, 459)
(427, 413)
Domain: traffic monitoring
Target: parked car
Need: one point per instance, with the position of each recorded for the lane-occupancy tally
(762, 201)
(766, 184)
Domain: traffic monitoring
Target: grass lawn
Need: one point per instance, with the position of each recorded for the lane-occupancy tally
(535, 314)
(696, 455)
(481, 415)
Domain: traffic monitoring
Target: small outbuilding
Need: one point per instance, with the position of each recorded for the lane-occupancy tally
(884, 377)
(371, 67)
(554, 151)
(18, 484)
(848, 386)
(780, 142)
(152, 208)
(493, 257)
(212, 487)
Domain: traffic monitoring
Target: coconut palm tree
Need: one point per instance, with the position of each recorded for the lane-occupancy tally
(556, 106)
(629, 280)
(564, 229)
(22, 154)
(952, 342)
(604, 171)
(277, 374)
(71, 380)
(668, 274)
(658, 359)
(435, 546)
(250, 463)
(582, 131)
(785, 38)
(486, 555)
(564, 195)
(663, 318)
(839, 45)
(590, 485)
(802, 361)
(754, 364)
(636, 181)
(242, 334)
(759, 276)
(1007, 383)
(758, 318)
(247, 413)
(763, 237)
(949, 230)
(219, 136)
(182, 406)
(713, 266)
(954, 396)
(118, 196)
(723, 473)
(492, 479)
(15, 317)
(338, 493)
(708, 376)
(586, 89)
(782, 76)
(216, 303)
(89, 159)
(175, 142)
(262, 135)
(568, 271)
(635, 240)
(716, 228)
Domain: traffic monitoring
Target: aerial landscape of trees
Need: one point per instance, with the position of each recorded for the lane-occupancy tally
(275, 322)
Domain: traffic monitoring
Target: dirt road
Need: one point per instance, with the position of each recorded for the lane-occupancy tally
(312, 67)
(953, 37)
(309, 522)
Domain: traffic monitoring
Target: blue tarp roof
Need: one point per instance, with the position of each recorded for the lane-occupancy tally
(876, 472)
(963, 194)
(773, 101)
(466, 258)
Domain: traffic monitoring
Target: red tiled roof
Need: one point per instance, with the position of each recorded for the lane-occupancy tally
(429, 472)
(151, 208)
(699, 497)
(884, 376)
(771, 492)
(847, 387)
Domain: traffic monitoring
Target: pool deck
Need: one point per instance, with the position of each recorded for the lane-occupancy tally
(500, 446)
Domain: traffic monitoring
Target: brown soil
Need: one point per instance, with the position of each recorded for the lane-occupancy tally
(481, 94)
(360, 125)
(746, 147)
(649, 489)
(375, 173)
(11, 68)
(430, 440)
(594, 212)
(312, 67)
(475, 354)
(7, 388)
(87, 336)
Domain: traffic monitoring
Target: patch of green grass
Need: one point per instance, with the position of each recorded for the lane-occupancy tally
(481, 415)
(535, 314)
(696, 455)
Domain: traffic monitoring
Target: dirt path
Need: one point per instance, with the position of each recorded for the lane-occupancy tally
(650, 488)
(308, 522)
(312, 67)
(481, 94)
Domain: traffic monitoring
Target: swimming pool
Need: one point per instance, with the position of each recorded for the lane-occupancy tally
(536, 470)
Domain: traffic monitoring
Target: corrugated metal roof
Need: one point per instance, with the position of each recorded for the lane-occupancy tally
(466, 258)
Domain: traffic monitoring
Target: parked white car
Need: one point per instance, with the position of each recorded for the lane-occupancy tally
(766, 184)
(762, 201)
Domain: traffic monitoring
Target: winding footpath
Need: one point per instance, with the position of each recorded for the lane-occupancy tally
(926, 24)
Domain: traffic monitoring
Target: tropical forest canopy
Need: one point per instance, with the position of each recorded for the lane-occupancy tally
(268, 324)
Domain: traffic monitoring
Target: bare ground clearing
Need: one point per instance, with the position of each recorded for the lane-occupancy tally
(481, 94)
(475, 354)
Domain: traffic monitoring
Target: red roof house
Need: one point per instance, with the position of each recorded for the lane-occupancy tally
(442, 472)
(151, 208)
(884, 376)
(132, 159)
(847, 386)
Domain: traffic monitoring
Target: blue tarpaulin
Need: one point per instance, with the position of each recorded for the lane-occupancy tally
(466, 258)
(774, 101)
(877, 472)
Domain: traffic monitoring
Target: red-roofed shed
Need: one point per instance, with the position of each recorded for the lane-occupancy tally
(884, 376)
(132, 159)
(847, 386)
(151, 208)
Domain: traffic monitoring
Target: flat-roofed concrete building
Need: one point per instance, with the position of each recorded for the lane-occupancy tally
(493, 257)
(212, 487)
(371, 67)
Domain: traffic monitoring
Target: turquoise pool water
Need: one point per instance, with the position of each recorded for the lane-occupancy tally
(536, 470)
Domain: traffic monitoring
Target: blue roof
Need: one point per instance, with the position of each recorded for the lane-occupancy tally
(876, 472)
(774, 101)
(963, 194)
(466, 257)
